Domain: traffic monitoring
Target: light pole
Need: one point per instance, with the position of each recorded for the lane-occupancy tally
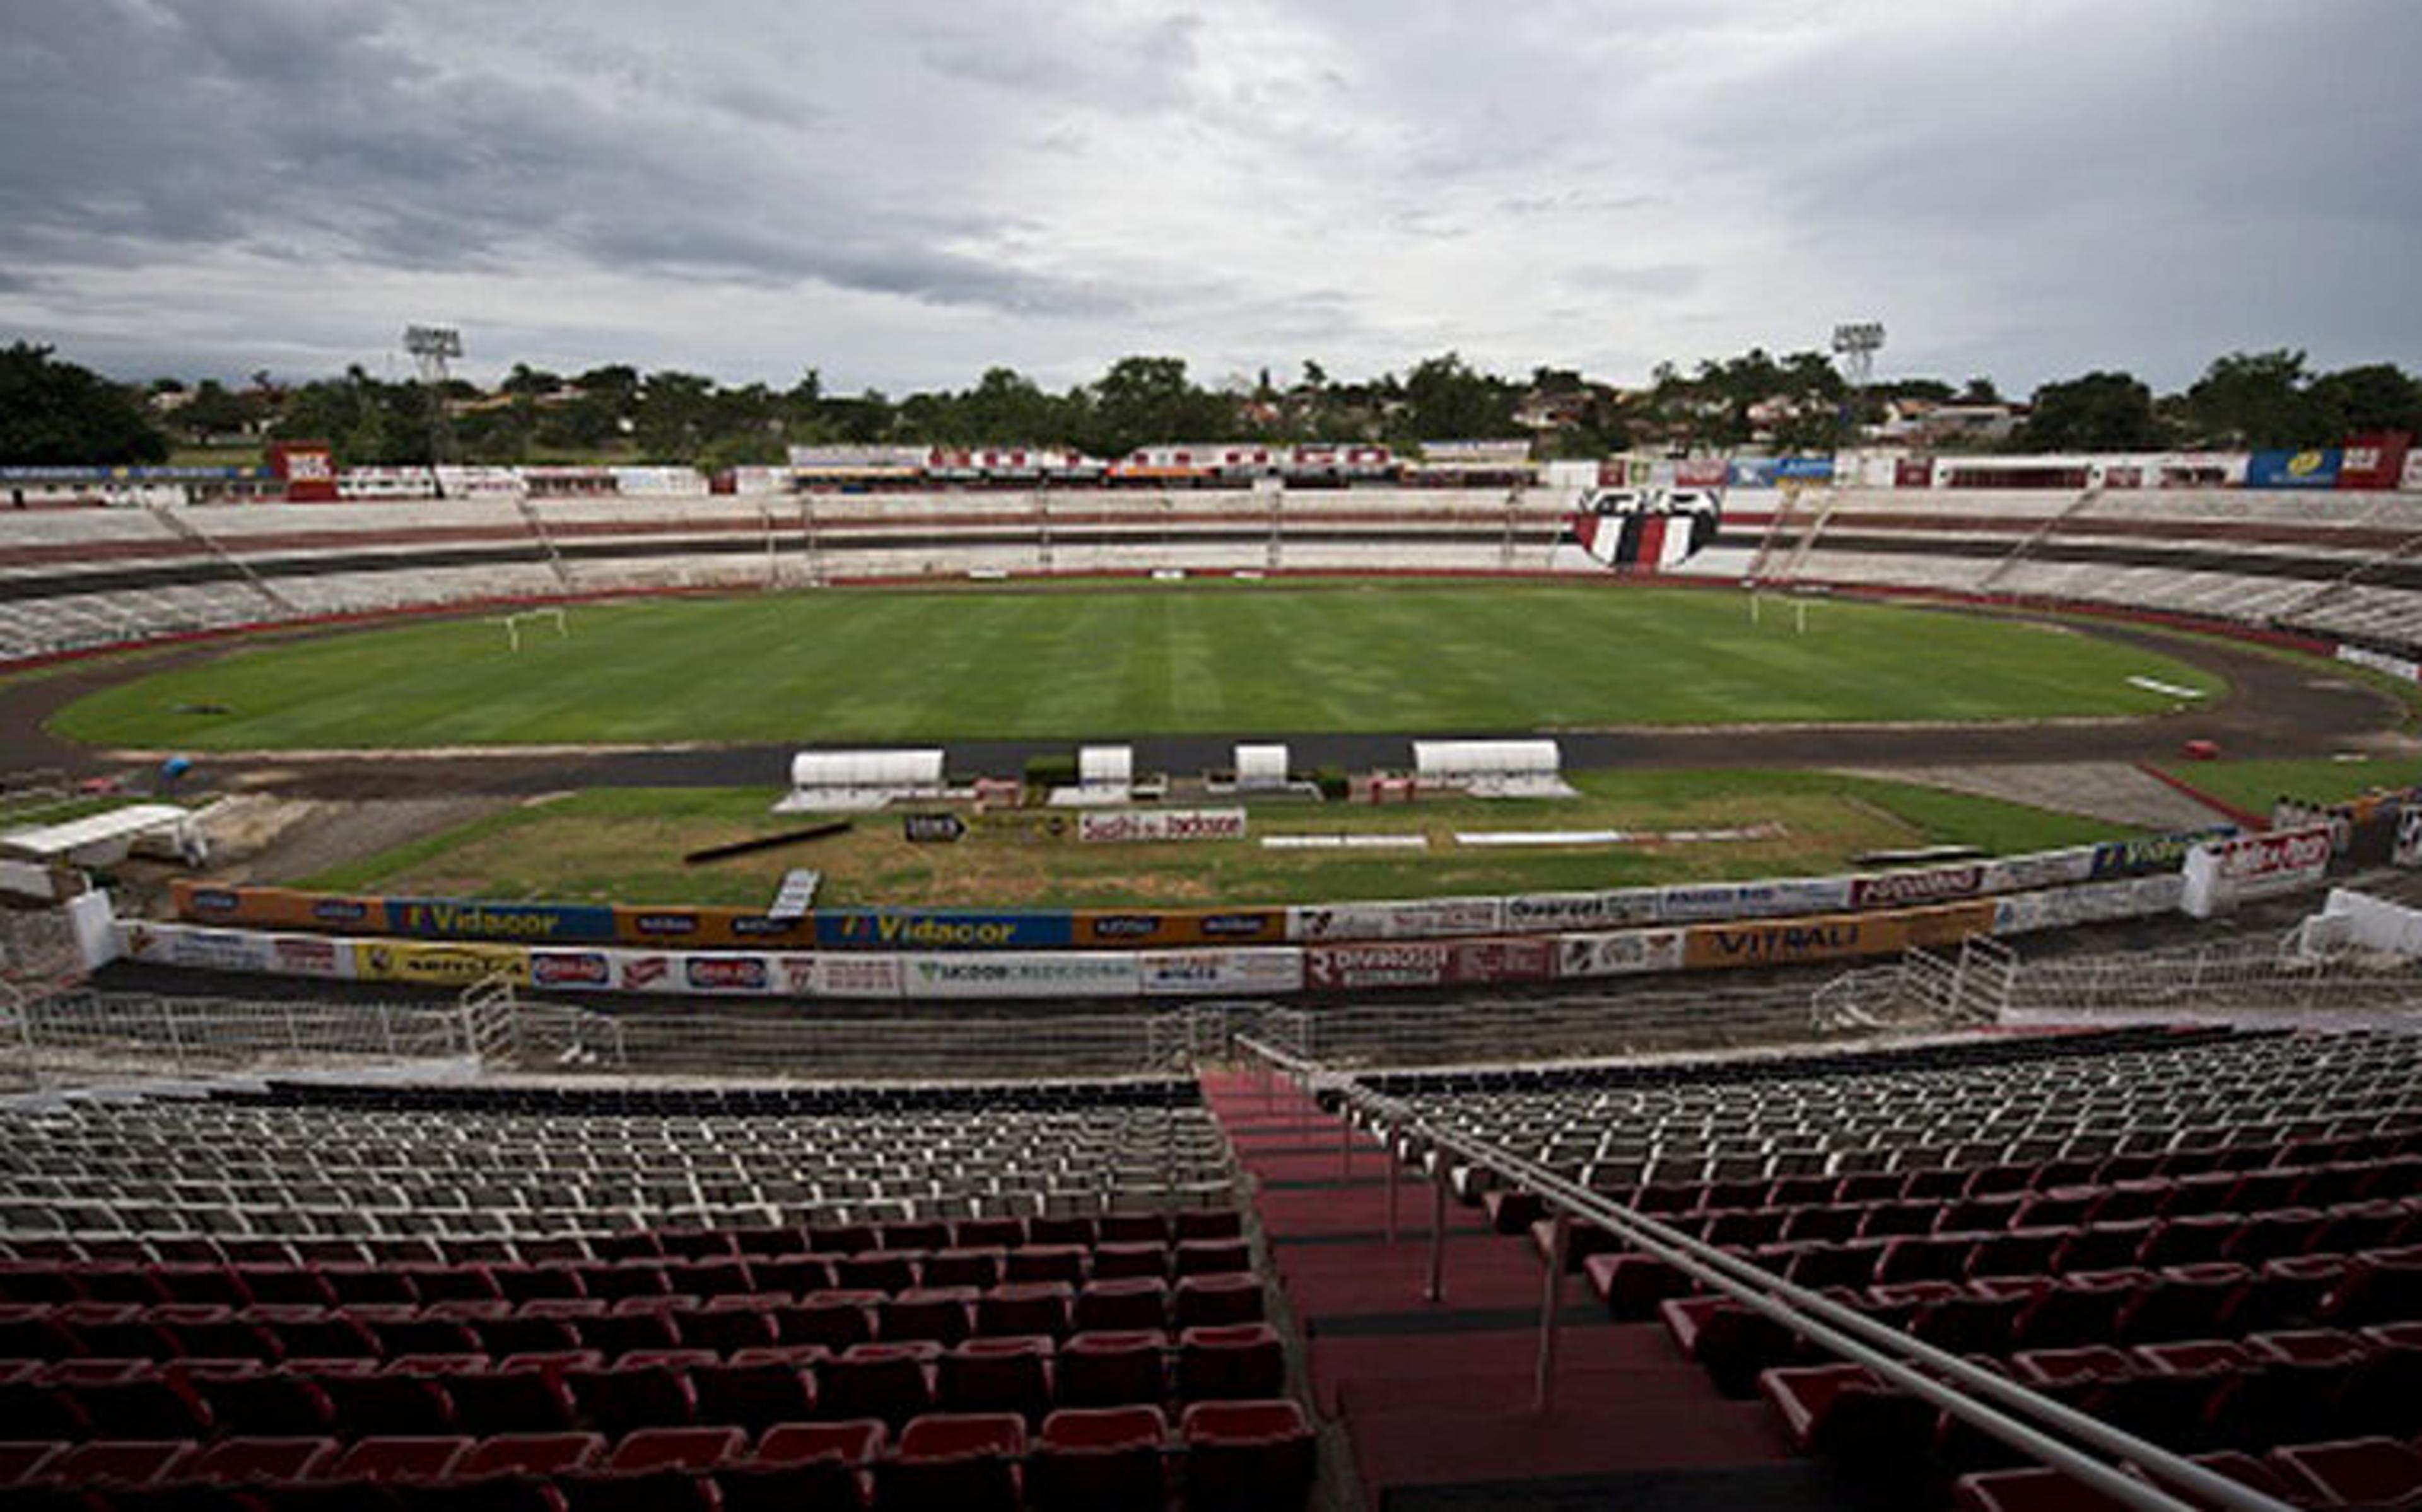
(432, 346)
(1856, 343)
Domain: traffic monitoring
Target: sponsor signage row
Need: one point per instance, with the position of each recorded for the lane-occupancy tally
(1099, 827)
(2224, 873)
(1834, 937)
(937, 930)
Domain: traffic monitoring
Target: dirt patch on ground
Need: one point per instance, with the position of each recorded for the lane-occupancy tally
(2114, 791)
(267, 837)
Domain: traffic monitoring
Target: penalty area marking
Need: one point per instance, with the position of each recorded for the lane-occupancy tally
(513, 623)
(1346, 841)
(2169, 689)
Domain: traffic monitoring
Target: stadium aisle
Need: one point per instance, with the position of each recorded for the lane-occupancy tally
(1435, 1401)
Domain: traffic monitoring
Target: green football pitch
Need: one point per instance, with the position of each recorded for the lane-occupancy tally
(874, 666)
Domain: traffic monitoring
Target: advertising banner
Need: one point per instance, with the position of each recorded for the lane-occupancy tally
(2374, 461)
(1928, 884)
(277, 907)
(455, 918)
(2152, 852)
(2408, 849)
(942, 929)
(1428, 963)
(1776, 898)
(2401, 668)
(2044, 868)
(310, 954)
(1548, 912)
(196, 949)
(710, 927)
(1101, 974)
(439, 965)
(1836, 937)
(1755, 472)
(1180, 926)
(854, 976)
(1424, 919)
(589, 971)
(1624, 953)
(1220, 973)
(2224, 873)
(1805, 469)
(2316, 469)
(728, 972)
(1702, 473)
(1160, 824)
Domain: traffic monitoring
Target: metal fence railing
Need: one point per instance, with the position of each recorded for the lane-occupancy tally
(2124, 1468)
(2234, 981)
(81, 1034)
(1549, 1027)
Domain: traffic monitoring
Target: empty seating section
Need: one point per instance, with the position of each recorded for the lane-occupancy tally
(2212, 1240)
(1037, 1294)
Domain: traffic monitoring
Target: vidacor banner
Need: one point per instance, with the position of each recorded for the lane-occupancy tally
(1160, 824)
(942, 929)
(458, 918)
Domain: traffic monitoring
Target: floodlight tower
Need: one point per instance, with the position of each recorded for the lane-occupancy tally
(432, 346)
(1856, 343)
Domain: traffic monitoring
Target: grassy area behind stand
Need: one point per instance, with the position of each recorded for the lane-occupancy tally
(2254, 784)
(626, 845)
(886, 666)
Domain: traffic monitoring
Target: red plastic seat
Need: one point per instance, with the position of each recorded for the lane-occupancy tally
(835, 1319)
(1047, 1262)
(976, 1267)
(884, 1271)
(1020, 1309)
(1099, 1458)
(1124, 1302)
(129, 1399)
(399, 1459)
(997, 1376)
(623, 1398)
(1207, 1222)
(1114, 1369)
(531, 1454)
(756, 1388)
(516, 1397)
(942, 1314)
(2016, 1251)
(109, 1463)
(954, 1462)
(2035, 1490)
(793, 1275)
(890, 1381)
(234, 1462)
(1246, 1455)
(373, 1402)
(1132, 1228)
(734, 1321)
(1230, 1361)
(694, 1449)
(2374, 1472)
(1200, 1300)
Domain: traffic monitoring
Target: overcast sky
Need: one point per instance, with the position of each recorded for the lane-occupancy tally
(902, 193)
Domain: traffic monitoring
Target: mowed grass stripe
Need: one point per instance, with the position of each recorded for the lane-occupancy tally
(877, 665)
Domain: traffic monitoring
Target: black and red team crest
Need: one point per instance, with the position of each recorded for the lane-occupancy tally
(1646, 530)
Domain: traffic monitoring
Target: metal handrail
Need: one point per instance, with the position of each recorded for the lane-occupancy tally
(1890, 1353)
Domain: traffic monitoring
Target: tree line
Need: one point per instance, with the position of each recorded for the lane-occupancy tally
(53, 412)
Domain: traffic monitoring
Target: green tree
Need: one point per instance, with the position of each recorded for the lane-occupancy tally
(2256, 399)
(2099, 411)
(2376, 396)
(1447, 400)
(1143, 400)
(59, 415)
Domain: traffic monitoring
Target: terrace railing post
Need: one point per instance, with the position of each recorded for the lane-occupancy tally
(1434, 1288)
(1345, 1147)
(1551, 1306)
(1391, 1159)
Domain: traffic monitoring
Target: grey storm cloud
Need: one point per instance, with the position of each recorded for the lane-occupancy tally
(907, 191)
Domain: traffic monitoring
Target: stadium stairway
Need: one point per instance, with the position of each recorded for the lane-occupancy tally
(1435, 1401)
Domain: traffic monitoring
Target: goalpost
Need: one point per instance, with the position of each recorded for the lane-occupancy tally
(513, 622)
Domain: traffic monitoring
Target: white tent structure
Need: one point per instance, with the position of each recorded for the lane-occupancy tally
(825, 782)
(1105, 775)
(1261, 768)
(106, 838)
(1492, 769)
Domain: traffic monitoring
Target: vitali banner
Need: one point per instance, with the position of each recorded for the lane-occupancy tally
(1835, 937)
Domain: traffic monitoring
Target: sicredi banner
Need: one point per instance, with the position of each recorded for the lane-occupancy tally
(1094, 827)
(2221, 875)
(1180, 926)
(915, 930)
